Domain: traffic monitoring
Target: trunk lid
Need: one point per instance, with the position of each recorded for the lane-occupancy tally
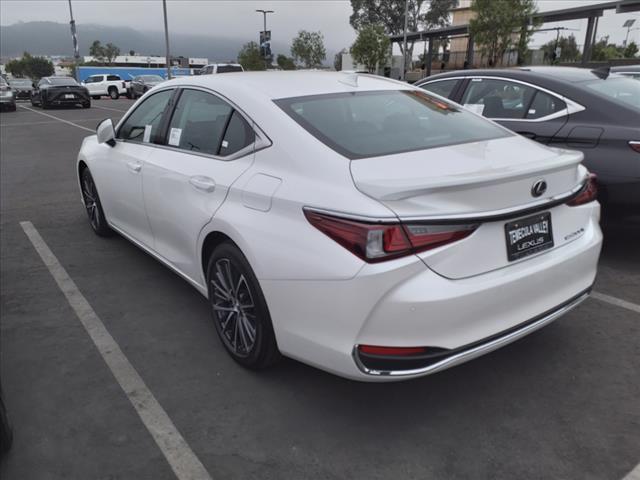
(468, 181)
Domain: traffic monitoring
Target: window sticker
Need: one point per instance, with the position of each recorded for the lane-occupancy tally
(225, 144)
(475, 107)
(147, 134)
(174, 136)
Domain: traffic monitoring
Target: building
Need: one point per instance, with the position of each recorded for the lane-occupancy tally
(152, 61)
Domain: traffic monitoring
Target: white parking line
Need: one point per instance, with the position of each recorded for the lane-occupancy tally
(633, 474)
(107, 108)
(59, 119)
(181, 458)
(618, 302)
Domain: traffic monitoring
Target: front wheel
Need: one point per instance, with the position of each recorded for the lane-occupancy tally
(93, 206)
(239, 309)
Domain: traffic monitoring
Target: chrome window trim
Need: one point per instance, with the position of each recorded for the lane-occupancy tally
(477, 351)
(261, 142)
(572, 106)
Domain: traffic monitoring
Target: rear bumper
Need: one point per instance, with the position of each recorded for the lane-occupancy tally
(402, 303)
(451, 358)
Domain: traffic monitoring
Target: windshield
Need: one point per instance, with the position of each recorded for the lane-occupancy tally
(370, 124)
(152, 78)
(621, 89)
(62, 81)
(20, 82)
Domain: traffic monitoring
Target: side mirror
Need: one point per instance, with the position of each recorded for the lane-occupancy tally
(106, 133)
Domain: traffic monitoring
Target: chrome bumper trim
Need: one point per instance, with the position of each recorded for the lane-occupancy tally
(477, 351)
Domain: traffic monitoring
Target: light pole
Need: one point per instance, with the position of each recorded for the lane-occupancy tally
(264, 20)
(74, 37)
(404, 40)
(166, 39)
(628, 24)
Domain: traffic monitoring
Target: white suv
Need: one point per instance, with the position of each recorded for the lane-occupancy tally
(107, 84)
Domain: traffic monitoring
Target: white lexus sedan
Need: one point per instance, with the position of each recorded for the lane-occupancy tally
(352, 222)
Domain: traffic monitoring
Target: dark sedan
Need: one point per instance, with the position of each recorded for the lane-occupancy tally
(22, 88)
(7, 98)
(588, 110)
(59, 91)
(140, 84)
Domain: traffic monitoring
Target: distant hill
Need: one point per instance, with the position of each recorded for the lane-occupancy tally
(50, 38)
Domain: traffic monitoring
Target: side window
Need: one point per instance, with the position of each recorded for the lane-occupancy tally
(198, 122)
(91, 80)
(145, 118)
(111, 78)
(544, 104)
(238, 135)
(495, 98)
(444, 88)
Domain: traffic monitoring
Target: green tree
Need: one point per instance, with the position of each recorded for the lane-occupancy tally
(30, 66)
(308, 48)
(501, 24)
(631, 51)
(96, 50)
(249, 57)
(285, 63)
(603, 50)
(371, 48)
(569, 51)
(111, 52)
(390, 14)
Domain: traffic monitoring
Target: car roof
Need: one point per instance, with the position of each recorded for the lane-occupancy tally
(626, 68)
(286, 84)
(568, 74)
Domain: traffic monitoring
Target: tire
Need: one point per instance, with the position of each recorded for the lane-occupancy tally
(239, 309)
(92, 204)
(95, 97)
(44, 105)
(86, 104)
(33, 104)
(13, 108)
(113, 93)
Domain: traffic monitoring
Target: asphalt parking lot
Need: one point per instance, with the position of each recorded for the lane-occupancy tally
(561, 403)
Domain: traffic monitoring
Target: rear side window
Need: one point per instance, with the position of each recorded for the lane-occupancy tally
(229, 68)
(111, 78)
(375, 123)
(444, 88)
(239, 134)
(142, 125)
(495, 98)
(199, 122)
(544, 104)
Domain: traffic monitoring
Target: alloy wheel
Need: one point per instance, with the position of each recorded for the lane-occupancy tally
(90, 196)
(234, 307)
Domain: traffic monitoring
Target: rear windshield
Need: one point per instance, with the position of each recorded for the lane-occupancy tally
(229, 68)
(62, 81)
(622, 89)
(371, 124)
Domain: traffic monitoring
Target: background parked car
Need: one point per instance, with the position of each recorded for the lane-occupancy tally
(142, 83)
(107, 84)
(632, 71)
(58, 91)
(588, 110)
(220, 68)
(22, 88)
(7, 99)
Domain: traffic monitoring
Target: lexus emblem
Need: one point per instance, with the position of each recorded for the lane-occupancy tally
(538, 188)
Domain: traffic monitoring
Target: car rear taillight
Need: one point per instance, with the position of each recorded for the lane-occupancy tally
(124, 85)
(635, 146)
(376, 242)
(588, 193)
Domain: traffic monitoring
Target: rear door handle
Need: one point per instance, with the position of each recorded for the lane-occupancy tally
(135, 167)
(205, 184)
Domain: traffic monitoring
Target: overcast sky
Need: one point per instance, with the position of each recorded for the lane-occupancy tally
(238, 19)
